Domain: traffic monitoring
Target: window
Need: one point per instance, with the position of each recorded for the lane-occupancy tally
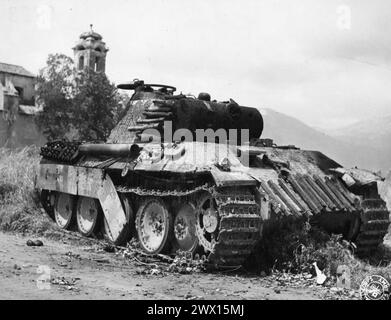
(96, 65)
(81, 62)
(20, 92)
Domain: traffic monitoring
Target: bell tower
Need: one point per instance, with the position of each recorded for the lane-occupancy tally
(90, 52)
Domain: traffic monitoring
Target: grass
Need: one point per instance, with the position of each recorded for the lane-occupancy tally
(20, 210)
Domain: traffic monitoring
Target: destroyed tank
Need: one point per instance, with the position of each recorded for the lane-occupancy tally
(184, 173)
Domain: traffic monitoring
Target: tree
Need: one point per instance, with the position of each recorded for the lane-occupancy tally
(75, 105)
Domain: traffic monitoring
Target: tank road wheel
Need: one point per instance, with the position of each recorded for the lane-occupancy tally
(87, 214)
(207, 221)
(128, 231)
(64, 207)
(184, 228)
(153, 225)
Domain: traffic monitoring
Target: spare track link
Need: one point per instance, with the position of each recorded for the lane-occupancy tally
(240, 227)
(374, 225)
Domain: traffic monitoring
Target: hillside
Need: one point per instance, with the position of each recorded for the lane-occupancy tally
(374, 131)
(284, 129)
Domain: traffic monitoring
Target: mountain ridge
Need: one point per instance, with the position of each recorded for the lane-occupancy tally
(348, 148)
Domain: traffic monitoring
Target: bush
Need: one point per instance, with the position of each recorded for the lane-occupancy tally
(293, 246)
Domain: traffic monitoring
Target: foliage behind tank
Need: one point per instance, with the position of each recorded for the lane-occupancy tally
(195, 194)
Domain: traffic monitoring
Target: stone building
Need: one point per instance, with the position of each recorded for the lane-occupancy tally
(17, 92)
(17, 107)
(90, 52)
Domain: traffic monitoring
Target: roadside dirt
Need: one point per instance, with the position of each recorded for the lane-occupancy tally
(74, 271)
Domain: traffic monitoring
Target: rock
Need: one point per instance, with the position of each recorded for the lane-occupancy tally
(36, 243)
(278, 291)
(155, 271)
(30, 243)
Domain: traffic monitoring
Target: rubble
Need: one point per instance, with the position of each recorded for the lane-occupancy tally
(70, 255)
(328, 290)
(158, 264)
(68, 284)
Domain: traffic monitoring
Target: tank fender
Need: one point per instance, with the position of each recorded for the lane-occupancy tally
(87, 182)
(232, 178)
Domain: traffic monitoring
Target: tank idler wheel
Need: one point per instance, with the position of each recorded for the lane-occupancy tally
(64, 207)
(128, 231)
(207, 221)
(185, 237)
(87, 214)
(154, 226)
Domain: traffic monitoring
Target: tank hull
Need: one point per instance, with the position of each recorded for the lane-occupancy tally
(197, 195)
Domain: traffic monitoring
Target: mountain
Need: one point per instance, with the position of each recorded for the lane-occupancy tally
(373, 133)
(284, 129)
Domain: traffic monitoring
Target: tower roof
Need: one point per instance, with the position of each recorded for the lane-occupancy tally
(90, 40)
(91, 34)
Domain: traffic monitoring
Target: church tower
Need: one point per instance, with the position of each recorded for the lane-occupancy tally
(90, 52)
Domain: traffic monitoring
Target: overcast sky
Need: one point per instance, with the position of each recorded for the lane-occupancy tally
(326, 62)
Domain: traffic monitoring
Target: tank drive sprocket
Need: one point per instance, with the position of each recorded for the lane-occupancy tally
(374, 225)
(228, 225)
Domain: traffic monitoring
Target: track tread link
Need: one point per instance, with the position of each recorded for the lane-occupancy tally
(240, 227)
(374, 225)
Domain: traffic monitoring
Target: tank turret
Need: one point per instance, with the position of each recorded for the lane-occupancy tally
(152, 105)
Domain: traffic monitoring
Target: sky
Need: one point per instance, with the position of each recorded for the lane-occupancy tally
(325, 62)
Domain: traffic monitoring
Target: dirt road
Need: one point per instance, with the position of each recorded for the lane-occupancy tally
(64, 270)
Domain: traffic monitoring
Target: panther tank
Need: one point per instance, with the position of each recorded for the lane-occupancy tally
(184, 173)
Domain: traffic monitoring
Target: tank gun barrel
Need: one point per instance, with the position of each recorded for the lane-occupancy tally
(114, 150)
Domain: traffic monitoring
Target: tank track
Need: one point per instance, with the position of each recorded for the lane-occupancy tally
(374, 225)
(240, 222)
(240, 227)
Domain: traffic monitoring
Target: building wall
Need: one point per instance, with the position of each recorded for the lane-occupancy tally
(21, 133)
(18, 128)
(89, 58)
(1, 96)
(26, 83)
